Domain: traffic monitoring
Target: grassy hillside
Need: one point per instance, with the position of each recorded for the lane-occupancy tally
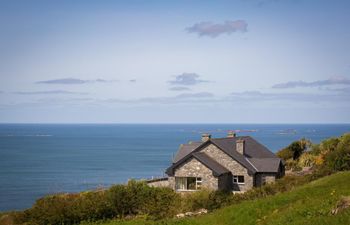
(308, 204)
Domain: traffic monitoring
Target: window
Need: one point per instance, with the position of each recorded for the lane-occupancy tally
(199, 183)
(188, 183)
(238, 179)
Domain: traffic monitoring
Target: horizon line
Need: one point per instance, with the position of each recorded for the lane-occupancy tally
(169, 123)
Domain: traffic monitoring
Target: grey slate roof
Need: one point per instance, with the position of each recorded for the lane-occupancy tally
(267, 165)
(257, 158)
(253, 149)
(216, 167)
(186, 149)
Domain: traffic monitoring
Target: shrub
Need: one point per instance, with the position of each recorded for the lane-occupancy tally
(285, 154)
(161, 203)
(335, 154)
(55, 209)
(339, 159)
(219, 199)
(135, 198)
(297, 148)
(292, 165)
(92, 206)
(306, 159)
(294, 150)
(127, 199)
(194, 201)
(329, 145)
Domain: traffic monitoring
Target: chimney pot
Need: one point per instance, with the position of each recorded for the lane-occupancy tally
(206, 137)
(231, 134)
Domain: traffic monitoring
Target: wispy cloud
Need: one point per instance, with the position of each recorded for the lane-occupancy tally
(187, 79)
(249, 96)
(74, 81)
(318, 83)
(179, 89)
(213, 30)
(53, 92)
(338, 90)
(182, 98)
(196, 95)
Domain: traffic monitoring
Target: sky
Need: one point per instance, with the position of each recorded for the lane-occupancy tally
(243, 61)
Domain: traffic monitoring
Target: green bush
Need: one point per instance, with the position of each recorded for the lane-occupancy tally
(55, 209)
(285, 154)
(294, 150)
(161, 203)
(329, 145)
(135, 198)
(127, 199)
(92, 206)
(195, 200)
(292, 164)
(336, 153)
(339, 159)
(219, 199)
(306, 160)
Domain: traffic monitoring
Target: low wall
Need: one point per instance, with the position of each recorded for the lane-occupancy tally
(158, 182)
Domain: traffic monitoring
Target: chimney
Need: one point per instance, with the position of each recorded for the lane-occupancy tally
(231, 134)
(206, 137)
(240, 146)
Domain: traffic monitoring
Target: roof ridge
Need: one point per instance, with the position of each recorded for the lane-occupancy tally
(251, 164)
(230, 137)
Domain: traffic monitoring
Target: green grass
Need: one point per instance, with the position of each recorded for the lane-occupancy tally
(308, 204)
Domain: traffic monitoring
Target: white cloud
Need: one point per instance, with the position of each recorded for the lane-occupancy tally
(317, 83)
(54, 92)
(213, 30)
(187, 79)
(73, 81)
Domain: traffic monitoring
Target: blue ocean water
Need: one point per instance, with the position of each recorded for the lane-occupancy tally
(36, 160)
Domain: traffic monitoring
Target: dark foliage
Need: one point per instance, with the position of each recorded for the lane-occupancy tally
(294, 150)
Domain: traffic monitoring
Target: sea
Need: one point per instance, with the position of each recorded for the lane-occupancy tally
(41, 159)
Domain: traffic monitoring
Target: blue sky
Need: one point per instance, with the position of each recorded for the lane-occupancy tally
(244, 61)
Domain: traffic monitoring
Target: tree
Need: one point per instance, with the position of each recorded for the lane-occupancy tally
(294, 150)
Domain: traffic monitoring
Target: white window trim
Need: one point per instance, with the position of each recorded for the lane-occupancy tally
(236, 177)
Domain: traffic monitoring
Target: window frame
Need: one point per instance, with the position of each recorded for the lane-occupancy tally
(198, 183)
(236, 177)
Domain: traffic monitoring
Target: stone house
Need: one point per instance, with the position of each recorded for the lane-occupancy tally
(232, 163)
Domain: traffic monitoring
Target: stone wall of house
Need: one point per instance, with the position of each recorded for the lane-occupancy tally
(171, 182)
(158, 183)
(193, 168)
(264, 178)
(235, 168)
